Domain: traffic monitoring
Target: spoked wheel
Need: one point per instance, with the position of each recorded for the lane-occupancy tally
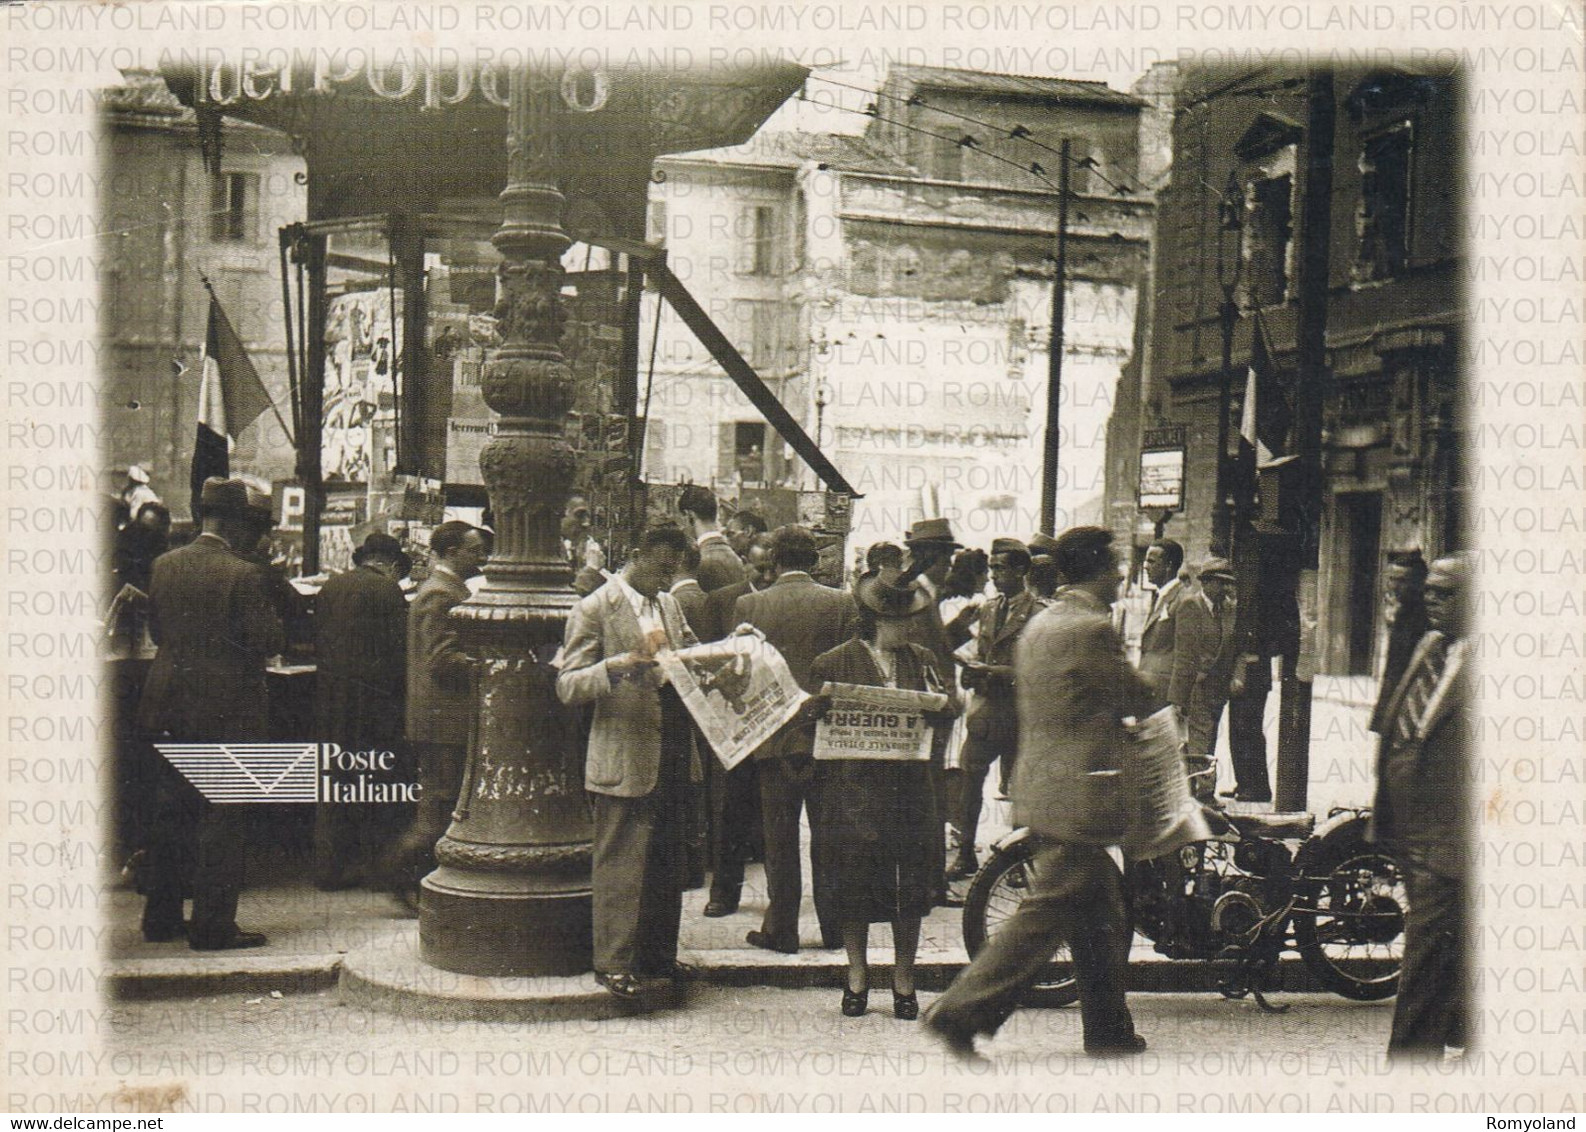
(994, 895)
(1353, 941)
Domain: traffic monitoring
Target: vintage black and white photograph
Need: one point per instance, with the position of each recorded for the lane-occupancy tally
(958, 559)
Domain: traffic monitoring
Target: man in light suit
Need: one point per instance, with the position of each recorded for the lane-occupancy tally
(1163, 560)
(993, 723)
(1075, 688)
(802, 619)
(439, 698)
(640, 764)
(1421, 815)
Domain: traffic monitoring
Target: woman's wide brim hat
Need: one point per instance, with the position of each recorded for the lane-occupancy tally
(880, 593)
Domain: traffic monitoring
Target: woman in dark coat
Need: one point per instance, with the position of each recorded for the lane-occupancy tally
(880, 817)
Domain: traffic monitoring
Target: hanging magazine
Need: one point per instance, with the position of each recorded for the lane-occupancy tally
(1162, 816)
(739, 690)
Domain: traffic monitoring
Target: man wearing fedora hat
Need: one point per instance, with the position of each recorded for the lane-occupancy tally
(930, 545)
(1202, 668)
(211, 616)
(360, 628)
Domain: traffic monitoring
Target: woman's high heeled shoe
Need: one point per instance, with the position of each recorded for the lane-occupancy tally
(855, 1002)
(905, 1007)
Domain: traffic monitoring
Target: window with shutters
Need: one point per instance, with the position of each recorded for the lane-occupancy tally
(1382, 218)
(763, 347)
(1269, 235)
(749, 458)
(234, 207)
(759, 249)
(946, 160)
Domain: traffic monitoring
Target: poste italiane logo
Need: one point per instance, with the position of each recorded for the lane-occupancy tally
(288, 772)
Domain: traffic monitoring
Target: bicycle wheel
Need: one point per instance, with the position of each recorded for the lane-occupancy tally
(1353, 939)
(994, 895)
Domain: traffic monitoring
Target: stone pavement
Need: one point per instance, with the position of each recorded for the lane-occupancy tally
(736, 1049)
(310, 931)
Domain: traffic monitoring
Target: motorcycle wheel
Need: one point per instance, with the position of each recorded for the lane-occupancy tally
(995, 893)
(1354, 942)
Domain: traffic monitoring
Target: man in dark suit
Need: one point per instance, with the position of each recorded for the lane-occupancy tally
(930, 544)
(1420, 815)
(360, 621)
(742, 529)
(1075, 688)
(692, 601)
(1163, 560)
(641, 762)
(802, 619)
(690, 597)
(439, 696)
(719, 563)
(993, 723)
(1203, 664)
(1406, 618)
(734, 795)
(211, 616)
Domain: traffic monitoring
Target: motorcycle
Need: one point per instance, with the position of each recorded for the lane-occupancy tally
(1268, 883)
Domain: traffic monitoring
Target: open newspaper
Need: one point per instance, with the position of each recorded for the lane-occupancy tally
(1162, 815)
(739, 690)
(867, 722)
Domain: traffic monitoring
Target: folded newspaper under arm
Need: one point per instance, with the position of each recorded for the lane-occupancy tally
(866, 722)
(739, 691)
(1162, 816)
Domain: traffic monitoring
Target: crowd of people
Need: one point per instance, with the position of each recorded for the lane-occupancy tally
(1021, 640)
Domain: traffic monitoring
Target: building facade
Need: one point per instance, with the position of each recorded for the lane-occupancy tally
(894, 290)
(1391, 419)
(167, 223)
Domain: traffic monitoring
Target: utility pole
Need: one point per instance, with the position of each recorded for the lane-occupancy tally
(1303, 510)
(1054, 350)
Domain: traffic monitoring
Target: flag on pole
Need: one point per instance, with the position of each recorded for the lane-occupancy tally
(1266, 415)
(231, 396)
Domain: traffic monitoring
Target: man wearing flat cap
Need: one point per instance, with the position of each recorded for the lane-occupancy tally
(211, 615)
(360, 628)
(1203, 667)
(993, 723)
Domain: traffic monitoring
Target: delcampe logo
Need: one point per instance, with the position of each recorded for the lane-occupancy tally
(274, 773)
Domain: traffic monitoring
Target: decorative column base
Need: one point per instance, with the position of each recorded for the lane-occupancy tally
(511, 932)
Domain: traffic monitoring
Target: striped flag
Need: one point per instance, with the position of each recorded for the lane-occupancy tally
(1266, 416)
(230, 398)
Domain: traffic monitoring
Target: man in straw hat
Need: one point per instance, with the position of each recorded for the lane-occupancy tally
(1075, 688)
(211, 615)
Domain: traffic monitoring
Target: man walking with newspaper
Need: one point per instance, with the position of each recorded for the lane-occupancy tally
(1075, 688)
